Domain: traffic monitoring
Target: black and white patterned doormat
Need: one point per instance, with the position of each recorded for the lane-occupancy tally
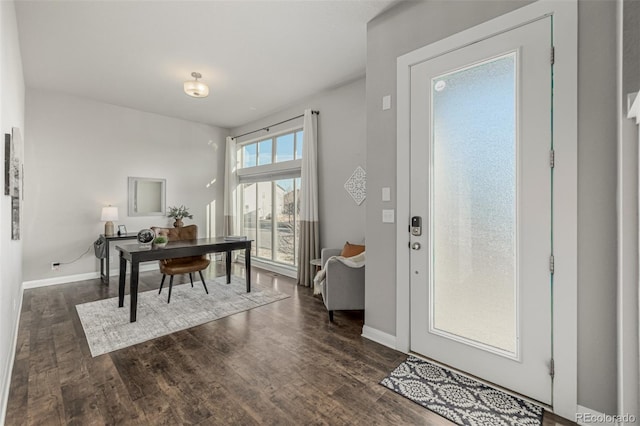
(458, 398)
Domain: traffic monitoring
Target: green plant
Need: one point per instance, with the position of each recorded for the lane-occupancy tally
(160, 239)
(179, 212)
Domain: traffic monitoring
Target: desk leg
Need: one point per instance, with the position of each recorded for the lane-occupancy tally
(247, 267)
(121, 282)
(134, 290)
(105, 279)
(229, 267)
(102, 270)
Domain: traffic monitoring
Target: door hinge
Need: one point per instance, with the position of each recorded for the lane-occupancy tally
(552, 264)
(552, 368)
(552, 158)
(553, 55)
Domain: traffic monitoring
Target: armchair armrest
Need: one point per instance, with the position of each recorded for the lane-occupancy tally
(327, 253)
(343, 287)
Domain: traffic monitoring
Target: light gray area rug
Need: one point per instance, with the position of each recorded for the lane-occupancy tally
(107, 327)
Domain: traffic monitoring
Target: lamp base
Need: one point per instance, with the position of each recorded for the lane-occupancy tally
(108, 229)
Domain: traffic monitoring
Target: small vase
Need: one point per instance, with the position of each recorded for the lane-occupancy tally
(178, 223)
(160, 245)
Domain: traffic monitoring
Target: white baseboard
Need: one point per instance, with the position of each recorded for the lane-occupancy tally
(378, 336)
(287, 272)
(587, 417)
(9, 367)
(79, 277)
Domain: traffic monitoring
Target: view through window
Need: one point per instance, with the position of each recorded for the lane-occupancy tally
(269, 173)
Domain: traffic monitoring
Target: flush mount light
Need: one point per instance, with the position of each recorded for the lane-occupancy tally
(196, 88)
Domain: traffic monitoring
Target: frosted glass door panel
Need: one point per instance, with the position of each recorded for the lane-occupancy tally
(473, 199)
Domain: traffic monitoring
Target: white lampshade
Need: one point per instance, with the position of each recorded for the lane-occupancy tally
(196, 88)
(109, 213)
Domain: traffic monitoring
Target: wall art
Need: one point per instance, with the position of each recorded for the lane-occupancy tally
(7, 163)
(356, 185)
(15, 181)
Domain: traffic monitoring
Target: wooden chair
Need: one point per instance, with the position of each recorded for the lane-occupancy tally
(182, 265)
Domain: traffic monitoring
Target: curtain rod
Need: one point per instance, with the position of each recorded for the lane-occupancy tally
(273, 125)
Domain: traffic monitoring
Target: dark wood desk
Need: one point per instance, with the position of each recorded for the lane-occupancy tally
(104, 271)
(134, 254)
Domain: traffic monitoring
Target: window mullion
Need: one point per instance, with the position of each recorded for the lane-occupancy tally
(295, 219)
(257, 221)
(273, 220)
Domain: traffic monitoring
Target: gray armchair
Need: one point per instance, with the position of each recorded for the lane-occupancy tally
(343, 287)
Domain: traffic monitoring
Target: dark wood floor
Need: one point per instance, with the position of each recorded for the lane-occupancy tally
(282, 363)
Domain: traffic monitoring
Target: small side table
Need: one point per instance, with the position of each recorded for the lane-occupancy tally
(104, 269)
(317, 263)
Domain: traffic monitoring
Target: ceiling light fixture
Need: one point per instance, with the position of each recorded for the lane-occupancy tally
(196, 88)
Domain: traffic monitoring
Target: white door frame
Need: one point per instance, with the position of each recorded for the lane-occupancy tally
(565, 198)
(628, 243)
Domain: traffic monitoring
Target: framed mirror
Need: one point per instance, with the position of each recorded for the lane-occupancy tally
(147, 196)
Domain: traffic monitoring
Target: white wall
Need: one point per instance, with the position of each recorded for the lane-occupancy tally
(628, 366)
(341, 148)
(11, 115)
(78, 156)
(597, 222)
(411, 25)
(402, 29)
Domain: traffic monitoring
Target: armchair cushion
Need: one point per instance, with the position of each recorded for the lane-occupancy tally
(350, 250)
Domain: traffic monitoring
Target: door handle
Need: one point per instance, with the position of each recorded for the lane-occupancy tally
(416, 246)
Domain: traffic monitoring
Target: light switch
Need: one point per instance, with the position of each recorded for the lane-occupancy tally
(386, 102)
(388, 216)
(386, 194)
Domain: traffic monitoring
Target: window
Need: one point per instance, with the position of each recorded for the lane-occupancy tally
(269, 175)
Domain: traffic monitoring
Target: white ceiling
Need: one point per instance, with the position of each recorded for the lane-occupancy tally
(256, 56)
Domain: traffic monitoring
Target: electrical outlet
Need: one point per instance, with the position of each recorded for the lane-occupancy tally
(55, 266)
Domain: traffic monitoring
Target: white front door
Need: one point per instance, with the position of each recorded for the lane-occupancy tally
(481, 182)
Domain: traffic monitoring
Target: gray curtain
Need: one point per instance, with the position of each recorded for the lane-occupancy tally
(309, 243)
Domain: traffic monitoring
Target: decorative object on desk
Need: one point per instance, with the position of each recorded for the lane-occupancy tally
(109, 214)
(179, 213)
(107, 327)
(146, 237)
(160, 241)
(356, 185)
(122, 230)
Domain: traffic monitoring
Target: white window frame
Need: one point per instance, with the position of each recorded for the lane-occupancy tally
(270, 173)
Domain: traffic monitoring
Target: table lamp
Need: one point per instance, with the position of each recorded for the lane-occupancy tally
(108, 214)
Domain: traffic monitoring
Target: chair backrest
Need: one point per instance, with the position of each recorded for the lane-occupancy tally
(189, 232)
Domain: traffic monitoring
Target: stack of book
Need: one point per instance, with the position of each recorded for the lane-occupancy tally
(235, 238)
